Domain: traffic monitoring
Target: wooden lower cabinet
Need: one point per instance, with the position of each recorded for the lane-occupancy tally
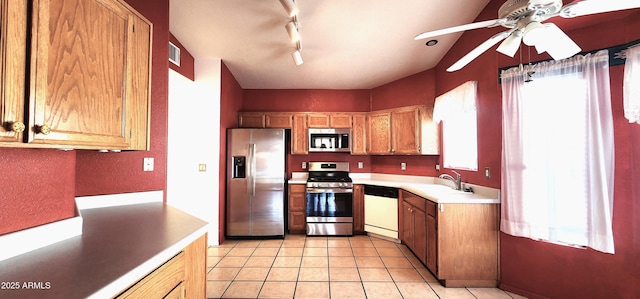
(358, 209)
(183, 276)
(297, 203)
(458, 242)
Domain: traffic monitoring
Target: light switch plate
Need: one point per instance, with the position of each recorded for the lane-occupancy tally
(360, 165)
(202, 167)
(147, 164)
(487, 172)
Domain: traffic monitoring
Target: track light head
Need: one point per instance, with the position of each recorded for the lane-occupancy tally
(293, 32)
(290, 7)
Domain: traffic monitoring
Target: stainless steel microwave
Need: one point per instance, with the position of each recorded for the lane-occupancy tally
(329, 140)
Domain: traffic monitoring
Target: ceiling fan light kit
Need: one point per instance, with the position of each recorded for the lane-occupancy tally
(524, 20)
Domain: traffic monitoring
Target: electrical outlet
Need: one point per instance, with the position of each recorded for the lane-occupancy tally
(437, 166)
(487, 172)
(304, 165)
(202, 167)
(147, 164)
(403, 166)
(360, 165)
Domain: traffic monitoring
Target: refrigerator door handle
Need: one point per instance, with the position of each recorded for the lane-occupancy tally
(252, 169)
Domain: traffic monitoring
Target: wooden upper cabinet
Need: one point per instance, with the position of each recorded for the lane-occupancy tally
(403, 131)
(79, 72)
(359, 134)
(13, 47)
(251, 120)
(329, 120)
(88, 73)
(379, 131)
(406, 126)
(318, 120)
(300, 135)
(278, 120)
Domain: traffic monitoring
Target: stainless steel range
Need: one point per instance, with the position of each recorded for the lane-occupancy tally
(329, 199)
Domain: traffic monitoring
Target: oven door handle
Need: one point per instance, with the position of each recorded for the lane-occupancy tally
(327, 190)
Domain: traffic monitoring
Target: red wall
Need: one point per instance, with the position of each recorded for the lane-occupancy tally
(187, 62)
(108, 173)
(230, 102)
(538, 269)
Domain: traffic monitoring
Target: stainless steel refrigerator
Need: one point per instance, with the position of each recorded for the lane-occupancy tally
(256, 176)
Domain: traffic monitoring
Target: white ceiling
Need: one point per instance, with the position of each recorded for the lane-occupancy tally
(346, 44)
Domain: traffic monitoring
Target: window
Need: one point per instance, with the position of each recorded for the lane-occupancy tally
(557, 180)
(456, 109)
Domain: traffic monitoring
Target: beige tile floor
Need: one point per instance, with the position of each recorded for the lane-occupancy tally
(325, 267)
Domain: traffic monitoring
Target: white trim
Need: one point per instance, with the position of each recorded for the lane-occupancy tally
(30, 239)
(120, 199)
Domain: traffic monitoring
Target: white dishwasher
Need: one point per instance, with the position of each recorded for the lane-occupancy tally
(381, 210)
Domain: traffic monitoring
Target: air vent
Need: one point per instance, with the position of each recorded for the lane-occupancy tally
(174, 54)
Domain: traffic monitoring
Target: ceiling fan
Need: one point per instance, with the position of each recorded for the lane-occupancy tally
(524, 18)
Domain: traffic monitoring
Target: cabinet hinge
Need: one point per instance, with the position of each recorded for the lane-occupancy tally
(134, 28)
(130, 133)
(185, 293)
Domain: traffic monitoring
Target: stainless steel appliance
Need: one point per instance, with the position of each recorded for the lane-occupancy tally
(255, 182)
(329, 140)
(329, 199)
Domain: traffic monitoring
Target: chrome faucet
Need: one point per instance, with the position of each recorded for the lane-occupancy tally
(457, 181)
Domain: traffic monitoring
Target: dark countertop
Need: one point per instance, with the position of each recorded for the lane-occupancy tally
(118, 246)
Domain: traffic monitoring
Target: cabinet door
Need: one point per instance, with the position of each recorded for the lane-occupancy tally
(340, 120)
(299, 135)
(139, 94)
(405, 131)
(78, 72)
(278, 120)
(13, 53)
(379, 130)
(318, 120)
(432, 244)
(251, 120)
(407, 224)
(359, 134)
(358, 208)
(419, 235)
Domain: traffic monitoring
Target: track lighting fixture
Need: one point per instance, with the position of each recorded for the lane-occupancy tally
(290, 7)
(292, 30)
(297, 56)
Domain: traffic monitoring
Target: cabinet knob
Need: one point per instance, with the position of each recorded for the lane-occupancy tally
(43, 129)
(17, 127)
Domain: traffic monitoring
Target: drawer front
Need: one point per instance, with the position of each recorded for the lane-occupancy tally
(431, 208)
(159, 282)
(414, 200)
(298, 188)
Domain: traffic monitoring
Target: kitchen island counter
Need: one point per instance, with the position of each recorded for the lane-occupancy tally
(119, 245)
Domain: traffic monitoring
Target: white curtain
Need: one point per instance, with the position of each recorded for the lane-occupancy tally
(558, 152)
(457, 110)
(632, 85)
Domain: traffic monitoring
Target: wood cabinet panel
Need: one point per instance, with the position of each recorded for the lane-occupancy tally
(138, 105)
(340, 120)
(405, 130)
(318, 120)
(300, 135)
(278, 120)
(195, 271)
(13, 56)
(432, 244)
(358, 209)
(78, 73)
(379, 130)
(297, 205)
(159, 282)
(359, 134)
(251, 120)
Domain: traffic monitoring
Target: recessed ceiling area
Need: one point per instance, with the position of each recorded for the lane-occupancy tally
(346, 44)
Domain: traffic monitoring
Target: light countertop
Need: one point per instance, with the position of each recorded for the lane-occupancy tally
(118, 246)
(433, 189)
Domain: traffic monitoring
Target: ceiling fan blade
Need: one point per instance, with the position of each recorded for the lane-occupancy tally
(588, 7)
(476, 25)
(511, 44)
(557, 43)
(479, 50)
